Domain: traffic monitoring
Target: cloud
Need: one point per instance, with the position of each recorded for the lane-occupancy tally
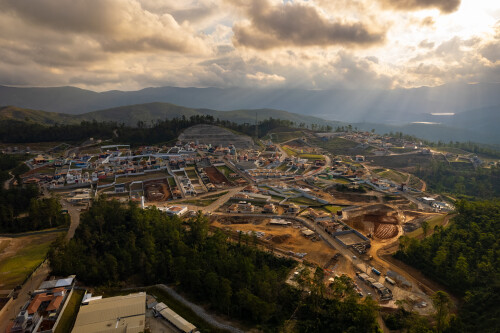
(300, 25)
(445, 6)
(266, 78)
(491, 49)
(426, 44)
(114, 24)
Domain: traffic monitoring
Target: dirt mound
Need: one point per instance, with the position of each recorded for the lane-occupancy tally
(280, 239)
(385, 231)
(216, 136)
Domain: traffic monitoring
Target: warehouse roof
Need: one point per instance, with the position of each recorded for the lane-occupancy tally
(113, 314)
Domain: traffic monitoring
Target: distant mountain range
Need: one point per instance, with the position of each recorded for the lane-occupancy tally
(396, 106)
(475, 108)
(150, 112)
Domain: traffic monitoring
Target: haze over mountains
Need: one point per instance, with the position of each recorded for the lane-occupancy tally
(475, 108)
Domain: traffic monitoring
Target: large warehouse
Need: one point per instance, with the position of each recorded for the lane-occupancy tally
(123, 314)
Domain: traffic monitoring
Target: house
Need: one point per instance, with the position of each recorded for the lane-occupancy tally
(241, 208)
(307, 232)
(360, 158)
(293, 209)
(175, 210)
(269, 208)
(42, 311)
(319, 216)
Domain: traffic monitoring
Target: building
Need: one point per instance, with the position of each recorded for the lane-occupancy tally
(293, 209)
(125, 314)
(269, 208)
(41, 312)
(168, 314)
(241, 208)
(175, 210)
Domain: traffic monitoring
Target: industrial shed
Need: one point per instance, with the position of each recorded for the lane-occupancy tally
(114, 314)
(180, 323)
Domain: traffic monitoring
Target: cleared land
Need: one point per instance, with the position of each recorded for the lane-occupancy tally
(405, 161)
(215, 176)
(340, 146)
(21, 256)
(280, 238)
(393, 175)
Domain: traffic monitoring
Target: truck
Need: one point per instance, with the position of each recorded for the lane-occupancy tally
(376, 271)
(389, 280)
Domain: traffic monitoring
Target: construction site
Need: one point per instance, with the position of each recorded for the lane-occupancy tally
(288, 238)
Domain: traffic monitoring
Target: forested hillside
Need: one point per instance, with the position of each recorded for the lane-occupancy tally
(116, 243)
(465, 257)
(160, 131)
(461, 179)
(22, 210)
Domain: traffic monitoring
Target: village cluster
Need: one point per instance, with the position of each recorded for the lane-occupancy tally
(293, 198)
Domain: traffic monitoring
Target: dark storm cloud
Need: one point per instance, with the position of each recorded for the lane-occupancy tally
(298, 25)
(445, 6)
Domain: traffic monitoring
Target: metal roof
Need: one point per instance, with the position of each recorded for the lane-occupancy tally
(113, 314)
(57, 283)
(179, 322)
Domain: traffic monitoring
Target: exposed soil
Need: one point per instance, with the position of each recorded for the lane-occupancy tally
(381, 221)
(216, 177)
(281, 238)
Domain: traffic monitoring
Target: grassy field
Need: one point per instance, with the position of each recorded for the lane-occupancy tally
(68, 317)
(393, 175)
(340, 146)
(433, 221)
(30, 253)
(204, 201)
(400, 150)
(332, 209)
(289, 151)
(283, 167)
(133, 178)
(191, 173)
(285, 136)
(312, 156)
(225, 170)
(304, 201)
(341, 181)
(405, 161)
(182, 310)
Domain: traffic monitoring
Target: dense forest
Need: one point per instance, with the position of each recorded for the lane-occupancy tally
(465, 257)
(461, 179)
(161, 131)
(491, 151)
(22, 210)
(115, 244)
(12, 163)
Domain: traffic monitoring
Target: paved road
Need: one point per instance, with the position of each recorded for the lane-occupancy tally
(199, 310)
(40, 274)
(32, 283)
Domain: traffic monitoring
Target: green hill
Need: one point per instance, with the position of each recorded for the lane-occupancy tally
(36, 116)
(150, 112)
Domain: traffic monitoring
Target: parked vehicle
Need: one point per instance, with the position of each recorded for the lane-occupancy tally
(389, 280)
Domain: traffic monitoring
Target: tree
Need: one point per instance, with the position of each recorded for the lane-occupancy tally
(442, 304)
(425, 228)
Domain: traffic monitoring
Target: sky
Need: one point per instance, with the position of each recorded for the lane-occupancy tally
(317, 44)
